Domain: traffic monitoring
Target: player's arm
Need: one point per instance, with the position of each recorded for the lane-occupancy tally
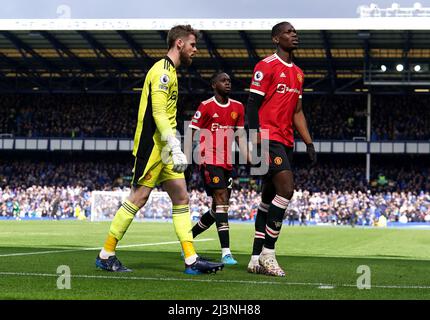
(242, 142)
(259, 86)
(159, 96)
(241, 137)
(198, 121)
(188, 151)
(255, 100)
(301, 126)
(188, 146)
(300, 123)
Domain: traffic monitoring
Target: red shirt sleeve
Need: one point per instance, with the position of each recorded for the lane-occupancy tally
(261, 78)
(199, 119)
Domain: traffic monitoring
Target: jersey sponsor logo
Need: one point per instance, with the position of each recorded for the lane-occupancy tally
(283, 75)
(215, 179)
(164, 79)
(197, 115)
(258, 76)
(215, 126)
(300, 77)
(215, 115)
(234, 115)
(283, 88)
(278, 161)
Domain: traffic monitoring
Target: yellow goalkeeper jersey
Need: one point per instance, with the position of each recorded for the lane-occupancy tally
(157, 109)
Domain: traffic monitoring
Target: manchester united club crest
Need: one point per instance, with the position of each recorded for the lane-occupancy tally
(300, 77)
(277, 161)
(234, 115)
(215, 179)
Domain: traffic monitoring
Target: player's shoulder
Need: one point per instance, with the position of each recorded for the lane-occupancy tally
(206, 104)
(266, 64)
(266, 61)
(164, 65)
(236, 103)
(298, 69)
(269, 59)
(207, 101)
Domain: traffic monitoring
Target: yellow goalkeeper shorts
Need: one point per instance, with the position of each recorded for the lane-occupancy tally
(151, 171)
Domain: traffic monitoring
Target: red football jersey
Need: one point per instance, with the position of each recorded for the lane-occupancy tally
(220, 122)
(281, 84)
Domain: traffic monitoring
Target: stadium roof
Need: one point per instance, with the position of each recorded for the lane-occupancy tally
(117, 60)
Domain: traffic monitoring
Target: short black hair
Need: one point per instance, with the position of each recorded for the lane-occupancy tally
(216, 75)
(276, 30)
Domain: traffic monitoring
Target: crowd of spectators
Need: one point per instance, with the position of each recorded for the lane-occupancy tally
(339, 117)
(68, 115)
(95, 175)
(45, 202)
(401, 118)
(335, 191)
(360, 208)
(337, 208)
(336, 117)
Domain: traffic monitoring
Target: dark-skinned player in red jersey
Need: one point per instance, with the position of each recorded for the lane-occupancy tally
(220, 121)
(275, 106)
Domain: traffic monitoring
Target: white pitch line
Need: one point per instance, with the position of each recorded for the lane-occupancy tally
(28, 274)
(96, 248)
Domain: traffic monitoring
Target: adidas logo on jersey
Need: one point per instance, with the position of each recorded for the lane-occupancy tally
(215, 115)
(283, 75)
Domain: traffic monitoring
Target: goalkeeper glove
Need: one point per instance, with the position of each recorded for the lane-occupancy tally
(179, 159)
(310, 150)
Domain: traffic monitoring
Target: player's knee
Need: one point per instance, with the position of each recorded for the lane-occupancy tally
(181, 198)
(286, 193)
(220, 197)
(139, 197)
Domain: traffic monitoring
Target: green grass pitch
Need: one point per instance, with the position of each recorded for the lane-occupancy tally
(321, 263)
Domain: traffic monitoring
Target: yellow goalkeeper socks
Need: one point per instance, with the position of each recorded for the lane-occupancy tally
(123, 217)
(189, 251)
(110, 244)
(182, 224)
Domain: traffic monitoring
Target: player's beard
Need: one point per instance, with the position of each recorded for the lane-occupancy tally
(185, 59)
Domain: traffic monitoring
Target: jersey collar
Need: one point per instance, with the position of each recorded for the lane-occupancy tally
(221, 105)
(287, 64)
(170, 61)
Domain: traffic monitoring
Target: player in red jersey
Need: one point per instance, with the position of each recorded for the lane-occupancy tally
(219, 120)
(275, 105)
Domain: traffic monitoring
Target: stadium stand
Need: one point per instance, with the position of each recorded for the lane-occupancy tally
(331, 192)
(79, 116)
(81, 94)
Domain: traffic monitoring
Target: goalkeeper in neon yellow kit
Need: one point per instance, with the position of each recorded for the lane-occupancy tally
(155, 134)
